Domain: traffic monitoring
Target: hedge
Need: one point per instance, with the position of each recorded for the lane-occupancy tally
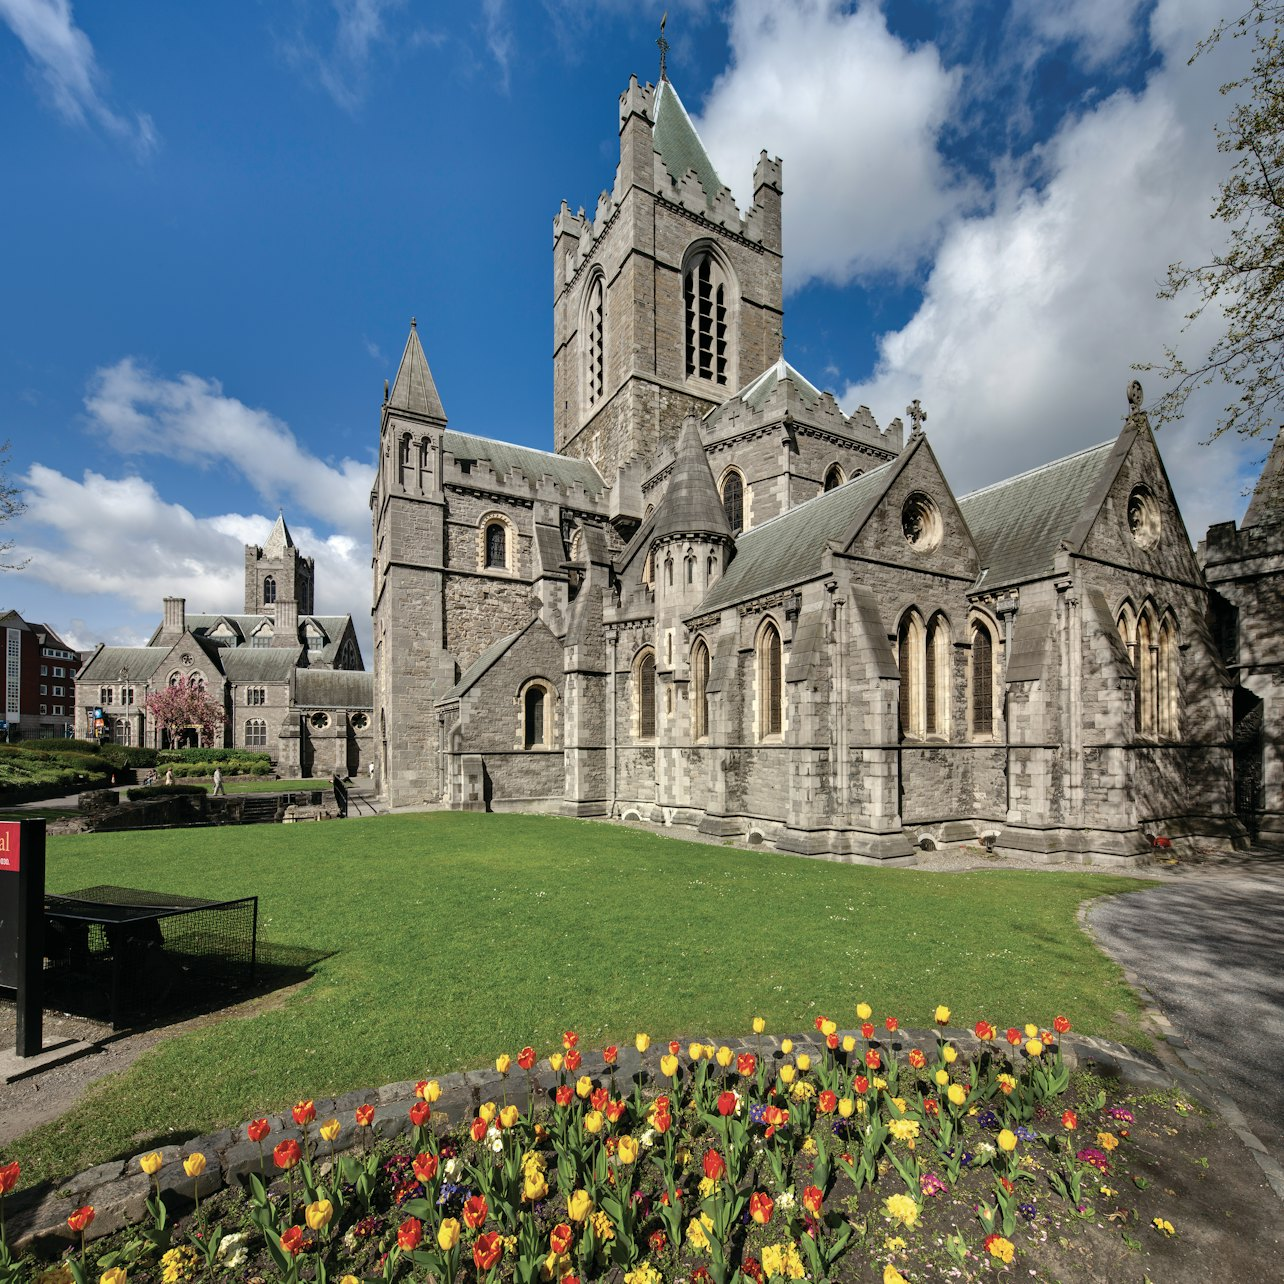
(128, 755)
(141, 792)
(212, 755)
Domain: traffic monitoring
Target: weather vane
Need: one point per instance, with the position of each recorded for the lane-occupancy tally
(664, 47)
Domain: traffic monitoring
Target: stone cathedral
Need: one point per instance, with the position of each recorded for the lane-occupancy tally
(724, 604)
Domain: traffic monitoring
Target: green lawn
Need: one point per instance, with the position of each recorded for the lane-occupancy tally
(453, 937)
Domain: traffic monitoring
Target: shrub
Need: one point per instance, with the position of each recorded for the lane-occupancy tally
(221, 756)
(61, 745)
(128, 755)
(141, 792)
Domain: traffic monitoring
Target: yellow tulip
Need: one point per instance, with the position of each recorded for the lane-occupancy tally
(1034, 1047)
(432, 1090)
(828, 1027)
(349, 1279)
(579, 1206)
(708, 1051)
(725, 1056)
(318, 1214)
(845, 1107)
(487, 1111)
(627, 1150)
(642, 1042)
(1007, 1140)
(533, 1185)
(448, 1234)
(669, 1065)
(503, 1063)
(942, 1078)
(694, 1050)
(950, 1053)
(509, 1116)
(786, 1046)
(151, 1163)
(787, 1073)
(759, 1025)
(942, 1015)
(114, 1275)
(957, 1094)
(194, 1164)
(329, 1130)
(593, 1121)
(1031, 1031)
(849, 1043)
(864, 1011)
(804, 1062)
(583, 1086)
(555, 1061)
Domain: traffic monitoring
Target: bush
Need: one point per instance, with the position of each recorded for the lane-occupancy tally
(128, 755)
(221, 756)
(140, 793)
(61, 745)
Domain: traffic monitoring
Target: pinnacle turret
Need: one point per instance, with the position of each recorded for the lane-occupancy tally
(414, 391)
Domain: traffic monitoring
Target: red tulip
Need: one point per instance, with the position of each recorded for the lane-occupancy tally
(611, 1055)
(916, 1058)
(80, 1219)
(984, 1031)
(813, 1197)
(872, 1059)
(761, 1206)
(487, 1251)
(475, 1211)
(365, 1116)
(424, 1167)
(564, 1094)
(828, 1102)
(867, 1030)
(861, 1084)
(598, 1098)
(614, 1111)
(409, 1234)
(292, 1240)
(573, 1060)
(1061, 1025)
(726, 1103)
(570, 1039)
(1069, 1120)
(9, 1177)
(526, 1058)
(304, 1113)
(663, 1121)
(714, 1165)
(1014, 1036)
(746, 1064)
(831, 1042)
(287, 1153)
(420, 1113)
(257, 1129)
(559, 1238)
(892, 1025)
(675, 1048)
(478, 1129)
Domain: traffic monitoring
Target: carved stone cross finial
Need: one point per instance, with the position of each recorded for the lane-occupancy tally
(917, 416)
(664, 47)
(1135, 396)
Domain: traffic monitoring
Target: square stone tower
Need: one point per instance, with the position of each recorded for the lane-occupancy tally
(668, 299)
(277, 572)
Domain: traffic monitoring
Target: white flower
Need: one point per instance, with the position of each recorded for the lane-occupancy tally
(232, 1252)
(785, 1199)
(497, 1145)
(452, 1167)
(647, 1139)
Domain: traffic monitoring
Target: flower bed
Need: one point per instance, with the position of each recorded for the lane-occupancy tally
(871, 1155)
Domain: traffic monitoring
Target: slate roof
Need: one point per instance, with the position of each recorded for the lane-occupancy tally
(789, 549)
(479, 666)
(757, 390)
(502, 458)
(279, 540)
(258, 663)
(691, 504)
(1267, 504)
(202, 626)
(109, 662)
(334, 689)
(1018, 524)
(679, 145)
(414, 389)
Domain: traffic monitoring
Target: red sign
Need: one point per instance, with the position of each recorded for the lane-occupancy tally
(10, 846)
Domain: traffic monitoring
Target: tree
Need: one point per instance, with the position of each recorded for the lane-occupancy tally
(10, 506)
(1247, 279)
(178, 707)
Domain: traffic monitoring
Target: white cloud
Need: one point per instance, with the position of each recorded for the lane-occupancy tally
(190, 418)
(105, 548)
(499, 36)
(1033, 312)
(1099, 30)
(855, 114)
(63, 55)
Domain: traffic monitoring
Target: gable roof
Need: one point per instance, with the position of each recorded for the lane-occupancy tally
(790, 549)
(258, 663)
(135, 662)
(334, 689)
(503, 458)
(479, 666)
(414, 389)
(679, 145)
(1018, 524)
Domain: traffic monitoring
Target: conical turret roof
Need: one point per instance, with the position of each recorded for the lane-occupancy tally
(691, 504)
(1267, 505)
(414, 389)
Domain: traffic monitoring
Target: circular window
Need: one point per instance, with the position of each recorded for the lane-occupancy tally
(1143, 517)
(921, 522)
(320, 720)
(359, 721)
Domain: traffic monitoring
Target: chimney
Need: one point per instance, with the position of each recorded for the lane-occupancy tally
(287, 624)
(175, 617)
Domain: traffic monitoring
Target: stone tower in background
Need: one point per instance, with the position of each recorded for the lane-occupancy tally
(667, 299)
(277, 572)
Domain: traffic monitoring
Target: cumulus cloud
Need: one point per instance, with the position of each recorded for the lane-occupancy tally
(102, 542)
(64, 58)
(192, 419)
(856, 115)
(1034, 310)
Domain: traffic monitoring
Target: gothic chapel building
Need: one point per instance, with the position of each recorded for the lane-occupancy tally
(723, 603)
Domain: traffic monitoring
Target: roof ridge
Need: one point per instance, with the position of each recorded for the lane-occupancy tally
(1041, 468)
(816, 499)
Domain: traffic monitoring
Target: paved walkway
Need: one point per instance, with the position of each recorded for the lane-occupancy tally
(1209, 947)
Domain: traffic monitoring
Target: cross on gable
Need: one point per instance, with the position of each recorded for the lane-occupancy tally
(917, 416)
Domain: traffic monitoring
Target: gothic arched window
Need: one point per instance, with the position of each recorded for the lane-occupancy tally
(982, 681)
(595, 334)
(269, 590)
(1167, 684)
(936, 678)
(733, 501)
(700, 691)
(771, 717)
(706, 297)
(644, 681)
(834, 477)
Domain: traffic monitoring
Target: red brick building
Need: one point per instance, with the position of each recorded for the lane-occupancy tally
(37, 681)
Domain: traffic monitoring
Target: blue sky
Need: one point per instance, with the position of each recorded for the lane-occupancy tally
(219, 221)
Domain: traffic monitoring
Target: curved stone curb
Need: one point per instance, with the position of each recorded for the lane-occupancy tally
(1188, 1069)
(36, 1219)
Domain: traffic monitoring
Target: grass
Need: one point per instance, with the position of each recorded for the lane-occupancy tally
(451, 937)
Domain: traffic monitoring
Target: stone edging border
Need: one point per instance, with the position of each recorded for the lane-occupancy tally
(1188, 1068)
(36, 1219)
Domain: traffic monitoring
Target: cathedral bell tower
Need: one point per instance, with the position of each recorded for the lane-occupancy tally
(277, 572)
(667, 299)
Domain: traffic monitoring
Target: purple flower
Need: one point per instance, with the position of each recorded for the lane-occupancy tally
(1118, 1112)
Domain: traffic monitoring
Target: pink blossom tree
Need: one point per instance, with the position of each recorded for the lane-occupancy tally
(178, 707)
